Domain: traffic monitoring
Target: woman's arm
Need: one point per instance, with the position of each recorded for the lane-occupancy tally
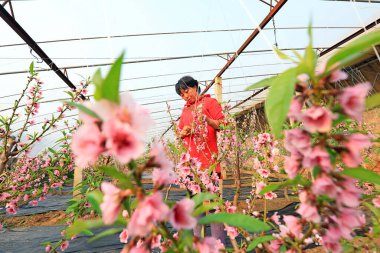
(213, 123)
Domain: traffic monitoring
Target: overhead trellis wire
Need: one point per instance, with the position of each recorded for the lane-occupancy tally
(162, 75)
(173, 33)
(147, 88)
(159, 60)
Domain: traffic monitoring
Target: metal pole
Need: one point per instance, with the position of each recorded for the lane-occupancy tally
(263, 23)
(34, 46)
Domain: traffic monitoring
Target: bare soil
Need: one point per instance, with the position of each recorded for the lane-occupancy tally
(45, 219)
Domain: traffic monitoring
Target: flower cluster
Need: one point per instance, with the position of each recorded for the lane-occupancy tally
(32, 178)
(331, 201)
(266, 150)
(116, 130)
(193, 178)
(34, 95)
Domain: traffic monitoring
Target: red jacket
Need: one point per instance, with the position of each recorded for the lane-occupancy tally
(202, 143)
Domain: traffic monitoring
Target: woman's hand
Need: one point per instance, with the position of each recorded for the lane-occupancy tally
(213, 123)
(186, 131)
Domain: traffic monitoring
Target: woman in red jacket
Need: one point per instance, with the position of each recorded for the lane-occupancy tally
(198, 125)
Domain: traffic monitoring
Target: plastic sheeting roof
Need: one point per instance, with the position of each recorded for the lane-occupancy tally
(123, 25)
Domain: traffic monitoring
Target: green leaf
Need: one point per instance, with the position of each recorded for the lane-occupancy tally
(246, 222)
(95, 198)
(203, 196)
(266, 82)
(374, 210)
(362, 174)
(271, 187)
(87, 232)
(205, 208)
(52, 151)
(282, 55)
(127, 205)
(187, 237)
(212, 168)
(310, 61)
(108, 88)
(31, 68)
(81, 225)
(316, 171)
(353, 50)
(84, 109)
(295, 181)
(372, 101)
(298, 55)
(98, 81)
(258, 240)
(278, 100)
(124, 180)
(106, 233)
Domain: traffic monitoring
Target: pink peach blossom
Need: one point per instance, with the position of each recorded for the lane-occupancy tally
(137, 116)
(355, 143)
(337, 75)
(149, 211)
(159, 158)
(229, 207)
(124, 236)
(295, 109)
(87, 147)
(303, 78)
(232, 232)
(275, 218)
(156, 241)
(317, 156)
(324, 185)
(163, 177)
(139, 249)
(376, 202)
(275, 245)
(349, 195)
(209, 245)
(331, 246)
(181, 215)
(11, 208)
(292, 166)
(164, 174)
(33, 202)
(111, 205)
(128, 112)
(297, 141)
(293, 227)
(122, 142)
(64, 245)
(317, 119)
(352, 100)
(48, 248)
(309, 212)
(270, 195)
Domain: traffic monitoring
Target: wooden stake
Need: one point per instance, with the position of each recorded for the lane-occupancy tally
(218, 89)
(78, 178)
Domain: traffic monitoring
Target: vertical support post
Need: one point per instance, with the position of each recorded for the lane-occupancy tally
(218, 88)
(78, 178)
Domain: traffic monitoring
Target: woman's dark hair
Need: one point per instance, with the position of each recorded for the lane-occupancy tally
(186, 82)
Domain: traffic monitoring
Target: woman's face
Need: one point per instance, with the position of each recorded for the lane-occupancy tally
(190, 95)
